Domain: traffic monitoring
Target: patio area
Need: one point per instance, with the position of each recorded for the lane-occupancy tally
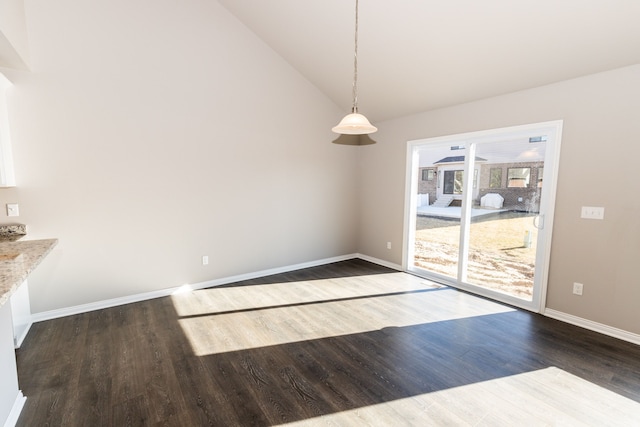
(454, 211)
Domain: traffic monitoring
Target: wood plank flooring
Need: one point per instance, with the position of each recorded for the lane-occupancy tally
(350, 343)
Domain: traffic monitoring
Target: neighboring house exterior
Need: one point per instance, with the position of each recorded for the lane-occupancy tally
(519, 183)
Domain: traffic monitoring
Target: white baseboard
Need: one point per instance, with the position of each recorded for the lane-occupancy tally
(85, 308)
(593, 326)
(16, 409)
(24, 330)
(379, 262)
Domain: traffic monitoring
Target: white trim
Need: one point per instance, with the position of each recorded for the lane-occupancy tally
(550, 185)
(410, 205)
(24, 330)
(380, 262)
(99, 305)
(593, 326)
(114, 302)
(543, 255)
(465, 212)
(16, 409)
(54, 314)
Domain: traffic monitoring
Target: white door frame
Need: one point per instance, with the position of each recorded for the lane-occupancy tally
(553, 130)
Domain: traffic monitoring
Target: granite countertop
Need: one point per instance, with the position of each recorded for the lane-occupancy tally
(17, 260)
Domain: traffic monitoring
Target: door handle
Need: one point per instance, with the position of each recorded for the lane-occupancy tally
(538, 222)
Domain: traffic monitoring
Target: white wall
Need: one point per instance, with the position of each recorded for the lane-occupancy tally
(150, 133)
(601, 128)
(14, 44)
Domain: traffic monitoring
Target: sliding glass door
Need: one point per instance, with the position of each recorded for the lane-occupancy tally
(480, 210)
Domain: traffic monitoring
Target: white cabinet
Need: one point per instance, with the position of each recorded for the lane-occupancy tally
(7, 177)
(15, 321)
(15, 317)
(11, 398)
(21, 313)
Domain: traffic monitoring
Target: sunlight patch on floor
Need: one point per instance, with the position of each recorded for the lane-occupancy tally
(548, 396)
(225, 299)
(220, 320)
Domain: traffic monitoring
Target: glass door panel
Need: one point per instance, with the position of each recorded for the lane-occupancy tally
(437, 229)
(502, 235)
(437, 244)
(483, 231)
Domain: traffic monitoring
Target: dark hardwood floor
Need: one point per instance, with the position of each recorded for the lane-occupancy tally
(349, 343)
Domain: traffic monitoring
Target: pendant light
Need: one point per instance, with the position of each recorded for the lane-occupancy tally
(355, 123)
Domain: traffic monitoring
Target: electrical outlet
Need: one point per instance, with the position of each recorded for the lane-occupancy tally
(12, 209)
(577, 288)
(388, 245)
(205, 260)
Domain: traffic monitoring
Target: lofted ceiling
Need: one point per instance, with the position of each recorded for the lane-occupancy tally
(418, 55)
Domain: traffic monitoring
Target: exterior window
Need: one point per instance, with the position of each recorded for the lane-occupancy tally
(453, 182)
(518, 177)
(428, 174)
(495, 178)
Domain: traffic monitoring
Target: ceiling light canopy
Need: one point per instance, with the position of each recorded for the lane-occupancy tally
(355, 123)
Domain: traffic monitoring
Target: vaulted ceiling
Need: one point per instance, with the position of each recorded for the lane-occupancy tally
(417, 55)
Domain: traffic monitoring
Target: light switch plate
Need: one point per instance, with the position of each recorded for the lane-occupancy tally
(592, 212)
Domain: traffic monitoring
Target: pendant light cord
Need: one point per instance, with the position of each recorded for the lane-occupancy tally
(354, 108)
(355, 123)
